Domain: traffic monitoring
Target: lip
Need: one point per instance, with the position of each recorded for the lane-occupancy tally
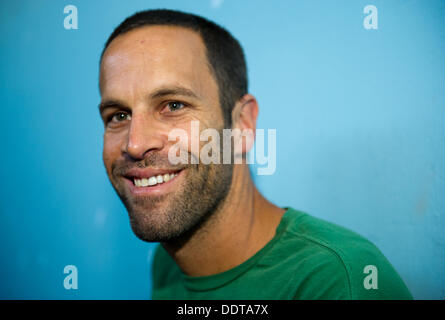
(157, 189)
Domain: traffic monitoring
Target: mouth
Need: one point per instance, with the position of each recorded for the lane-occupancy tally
(155, 182)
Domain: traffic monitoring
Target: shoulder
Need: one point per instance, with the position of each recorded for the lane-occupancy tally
(332, 262)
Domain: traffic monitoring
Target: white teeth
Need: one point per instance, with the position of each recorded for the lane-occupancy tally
(154, 180)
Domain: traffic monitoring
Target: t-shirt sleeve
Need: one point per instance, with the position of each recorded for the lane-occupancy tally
(359, 274)
(341, 264)
(326, 279)
(372, 276)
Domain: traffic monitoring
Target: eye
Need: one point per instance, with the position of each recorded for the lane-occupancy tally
(174, 106)
(120, 116)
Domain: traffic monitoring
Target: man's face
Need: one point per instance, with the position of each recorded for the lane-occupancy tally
(153, 80)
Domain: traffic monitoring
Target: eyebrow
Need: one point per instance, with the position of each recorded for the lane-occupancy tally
(159, 93)
(173, 91)
(111, 103)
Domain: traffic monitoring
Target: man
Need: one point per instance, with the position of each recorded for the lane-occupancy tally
(220, 238)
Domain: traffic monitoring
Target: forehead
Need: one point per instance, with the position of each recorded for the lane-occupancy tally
(154, 56)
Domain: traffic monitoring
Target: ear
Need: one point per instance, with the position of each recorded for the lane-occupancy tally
(244, 117)
(245, 113)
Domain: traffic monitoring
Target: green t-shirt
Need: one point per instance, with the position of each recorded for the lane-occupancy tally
(308, 258)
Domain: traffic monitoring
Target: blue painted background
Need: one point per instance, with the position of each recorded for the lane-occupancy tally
(360, 119)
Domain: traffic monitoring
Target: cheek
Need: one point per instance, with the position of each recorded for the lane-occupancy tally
(179, 137)
(112, 149)
(192, 142)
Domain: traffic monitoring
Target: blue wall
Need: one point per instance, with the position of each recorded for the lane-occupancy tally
(360, 119)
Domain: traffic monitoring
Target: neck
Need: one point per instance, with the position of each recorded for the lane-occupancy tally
(240, 227)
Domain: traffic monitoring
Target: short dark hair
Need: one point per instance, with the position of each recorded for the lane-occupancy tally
(224, 53)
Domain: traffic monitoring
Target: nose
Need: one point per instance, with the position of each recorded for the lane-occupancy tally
(144, 136)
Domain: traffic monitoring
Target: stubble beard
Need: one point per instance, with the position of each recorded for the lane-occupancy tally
(173, 217)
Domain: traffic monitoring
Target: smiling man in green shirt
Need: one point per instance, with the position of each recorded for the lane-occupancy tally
(220, 238)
